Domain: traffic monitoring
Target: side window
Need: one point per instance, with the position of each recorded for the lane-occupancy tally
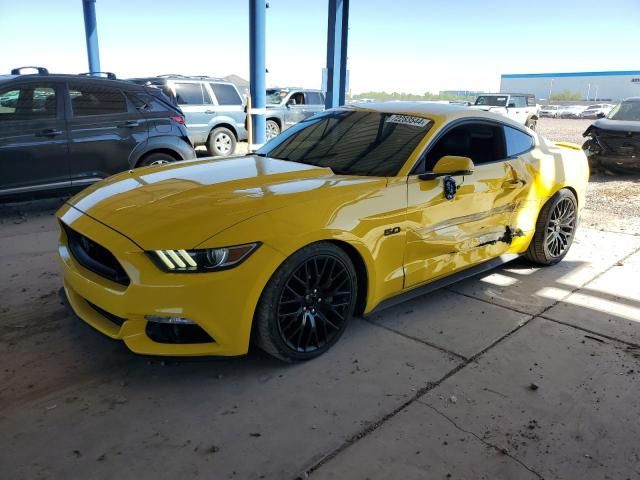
(27, 102)
(146, 102)
(296, 99)
(517, 102)
(481, 142)
(226, 94)
(531, 101)
(314, 98)
(189, 94)
(96, 100)
(517, 142)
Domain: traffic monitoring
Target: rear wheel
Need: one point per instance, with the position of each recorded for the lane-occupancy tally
(157, 158)
(555, 229)
(307, 304)
(222, 142)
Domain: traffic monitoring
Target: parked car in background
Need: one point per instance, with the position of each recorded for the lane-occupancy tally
(214, 109)
(550, 111)
(571, 111)
(288, 106)
(520, 107)
(600, 110)
(63, 132)
(613, 143)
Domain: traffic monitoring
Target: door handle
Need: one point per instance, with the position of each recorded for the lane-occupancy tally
(49, 132)
(210, 112)
(515, 183)
(129, 124)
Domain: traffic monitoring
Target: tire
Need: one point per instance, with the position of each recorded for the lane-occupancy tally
(155, 158)
(555, 229)
(532, 123)
(307, 304)
(221, 142)
(273, 129)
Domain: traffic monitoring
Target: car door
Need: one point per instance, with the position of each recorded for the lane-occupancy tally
(228, 104)
(33, 137)
(198, 108)
(518, 108)
(104, 128)
(476, 224)
(295, 109)
(314, 103)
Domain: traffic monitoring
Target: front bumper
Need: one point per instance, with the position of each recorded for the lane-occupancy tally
(221, 303)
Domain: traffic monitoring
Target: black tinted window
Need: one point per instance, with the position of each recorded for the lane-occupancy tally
(27, 102)
(517, 142)
(96, 100)
(189, 94)
(351, 142)
(314, 98)
(226, 94)
(145, 102)
(481, 142)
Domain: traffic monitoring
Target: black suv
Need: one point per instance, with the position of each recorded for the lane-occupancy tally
(63, 132)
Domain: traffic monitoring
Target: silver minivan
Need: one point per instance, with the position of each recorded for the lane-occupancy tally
(213, 108)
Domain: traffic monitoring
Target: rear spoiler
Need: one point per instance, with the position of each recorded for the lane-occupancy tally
(572, 146)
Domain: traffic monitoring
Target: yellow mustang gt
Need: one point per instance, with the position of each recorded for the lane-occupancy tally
(346, 212)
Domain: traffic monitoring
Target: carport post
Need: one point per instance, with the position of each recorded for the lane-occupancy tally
(91, 33)
(257, 72)
(337, 31)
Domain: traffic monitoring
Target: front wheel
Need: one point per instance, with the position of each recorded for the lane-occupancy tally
(307, 303)
(555, 229)
(222, 142)
(532, 123)
(273, 129)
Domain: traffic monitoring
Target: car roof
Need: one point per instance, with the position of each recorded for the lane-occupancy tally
(184, 78)
(445, 111)
(505, 93)
(68, 76)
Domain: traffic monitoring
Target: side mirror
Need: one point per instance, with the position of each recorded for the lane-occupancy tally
(511, 105)
(449, 165)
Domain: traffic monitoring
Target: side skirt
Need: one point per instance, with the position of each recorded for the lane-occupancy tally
(444, 282)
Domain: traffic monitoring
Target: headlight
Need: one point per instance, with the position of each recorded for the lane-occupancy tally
(202, 260)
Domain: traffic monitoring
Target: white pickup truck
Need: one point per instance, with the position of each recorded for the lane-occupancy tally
(520, 107)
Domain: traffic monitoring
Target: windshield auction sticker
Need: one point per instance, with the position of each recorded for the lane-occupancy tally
(409, 120)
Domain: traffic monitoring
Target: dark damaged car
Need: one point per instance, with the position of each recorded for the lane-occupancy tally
(613, 143)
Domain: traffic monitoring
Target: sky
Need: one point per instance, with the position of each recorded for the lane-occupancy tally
(408, 46)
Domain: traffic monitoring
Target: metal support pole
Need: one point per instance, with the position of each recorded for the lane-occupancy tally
(337, 33)
(91, 33)
(257, 71)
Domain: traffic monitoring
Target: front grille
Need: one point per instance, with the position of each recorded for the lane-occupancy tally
(95, 257)
(108, 315)
(172, 333)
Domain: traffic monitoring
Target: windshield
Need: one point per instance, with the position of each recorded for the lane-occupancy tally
(351, 142)
(626, 111)
(492, 100)
(275, 96)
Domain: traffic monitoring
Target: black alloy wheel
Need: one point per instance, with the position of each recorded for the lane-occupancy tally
(307, 303)
(555, 229)
(561, 227)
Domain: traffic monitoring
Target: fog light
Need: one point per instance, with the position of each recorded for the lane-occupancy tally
(169, 320)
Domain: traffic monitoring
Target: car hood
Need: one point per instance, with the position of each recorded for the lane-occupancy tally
(617, 125)
(183, 204)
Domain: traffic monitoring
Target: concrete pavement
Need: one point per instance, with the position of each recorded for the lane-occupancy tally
(438, 387)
